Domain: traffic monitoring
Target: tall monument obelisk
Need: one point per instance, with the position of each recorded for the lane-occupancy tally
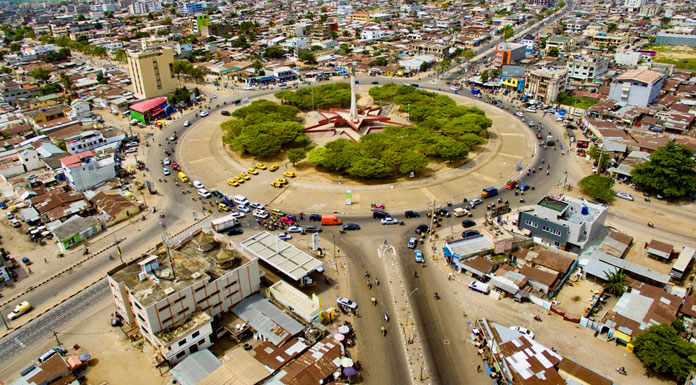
(353, 104)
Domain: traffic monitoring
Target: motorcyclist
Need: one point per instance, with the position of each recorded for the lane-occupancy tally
(374, 301)
(386, 317)
(437, 296)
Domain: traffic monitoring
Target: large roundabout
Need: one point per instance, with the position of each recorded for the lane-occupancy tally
(510, 144)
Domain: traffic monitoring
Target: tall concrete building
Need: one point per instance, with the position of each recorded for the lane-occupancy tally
(151, 72)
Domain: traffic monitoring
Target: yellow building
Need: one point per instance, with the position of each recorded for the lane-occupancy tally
(360, 17)
(151, 72)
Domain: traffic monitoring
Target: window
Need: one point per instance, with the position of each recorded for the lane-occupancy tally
(201, 342)
(182, 342)
(164, 307)
(195, 334)
(531, 223)
(200, 288)
(181, 354)
(164, 321)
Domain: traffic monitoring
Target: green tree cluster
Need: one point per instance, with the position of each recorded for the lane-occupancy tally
(307, 57)
(41, 73)
(81, 45)
(186, 68)
(264, 128)
(661, 349)
(442, 130)
(670, 171)
(55, 56)
(180, 95)
(273, 52)
(598, 187)
(335, 95)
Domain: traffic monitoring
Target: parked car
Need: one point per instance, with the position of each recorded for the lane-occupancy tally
(468, 223)
(523, 330)
(237, 215)
(285, 236)
(197, 184)
(295, 229)
(235, 231)
(217, 194)
(351, 226)
(315, 217)
(256, 205)
(470, 234)
(204, 193)
(625, 196)
(412, 242)
(389, 221)
(313, 229)
(418, 255)
(166, 172)
(411, 214)
(243, 208)
(261, 214)
(346, 302)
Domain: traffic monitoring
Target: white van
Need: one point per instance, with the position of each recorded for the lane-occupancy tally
(480, 287)
(240, 200)
(204, 193)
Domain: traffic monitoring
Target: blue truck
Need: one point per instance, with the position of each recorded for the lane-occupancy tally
(489, 192)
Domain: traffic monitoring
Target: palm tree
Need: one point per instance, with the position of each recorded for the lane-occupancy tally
(65, 81)
(615, 282)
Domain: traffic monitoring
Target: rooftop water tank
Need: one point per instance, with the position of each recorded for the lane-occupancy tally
(584, 210)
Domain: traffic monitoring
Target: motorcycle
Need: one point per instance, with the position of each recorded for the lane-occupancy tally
(437, 296)
(374, 301)
(621, 370)
(86, 251)
(537, 318)
(386, 317)
(383, 329)
(651, 225)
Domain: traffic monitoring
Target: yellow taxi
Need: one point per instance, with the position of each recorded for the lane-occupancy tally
(260, 166)
(275, 183)
(232, 182)
(244, 176)
(282, 181)
(289, 174)
(277, 212)
(223, 207)
(252, 171)
(274, 167)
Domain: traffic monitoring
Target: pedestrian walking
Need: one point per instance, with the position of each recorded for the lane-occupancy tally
(45, 260)
(29, 269)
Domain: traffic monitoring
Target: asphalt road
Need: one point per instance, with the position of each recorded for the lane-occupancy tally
(42, 327)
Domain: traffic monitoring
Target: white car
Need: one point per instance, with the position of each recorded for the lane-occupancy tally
(248, 88)
(167, 162)
(204, 114)
(243, 208)
(237, 214)
(257, 205)
(454, 88)
(389, 221)
(261, 214)
(346, 302)
(520, 114)
(166, 172)
(187, 123)
(625, 196)
(131, 150)
(204, 193)
(524, 331)
(475, 202)
(530, 110)
(295, 229)
(196, 183)
(559, 119)
(213, 96)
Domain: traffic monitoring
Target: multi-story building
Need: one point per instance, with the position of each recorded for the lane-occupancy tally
(84, 141)
(568, 223)
(323, 31)
(429, 48)
(193, 7)
(544, 84)
(663, 38)
(173, 296)
(10, 91)
(83, 171)
(151, 72)
(529, 41)
(564, 44)
(587, 68)
(58, 30)
(512, 77)
(360, 17)
(637, 87)
(371, 34)
(509, 53)
(633, 5)
(142, 7)
(195, 23)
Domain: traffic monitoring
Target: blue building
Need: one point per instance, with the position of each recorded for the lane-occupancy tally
(512, 77)
(192, 7)
(637, 87)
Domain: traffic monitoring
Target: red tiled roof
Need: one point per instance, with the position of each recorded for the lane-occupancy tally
(75, 160)
(147, 105)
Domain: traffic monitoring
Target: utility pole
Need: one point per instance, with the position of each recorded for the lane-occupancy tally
(55, 334)
(4, 322)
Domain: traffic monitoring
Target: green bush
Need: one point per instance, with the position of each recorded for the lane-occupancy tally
(335, 95)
